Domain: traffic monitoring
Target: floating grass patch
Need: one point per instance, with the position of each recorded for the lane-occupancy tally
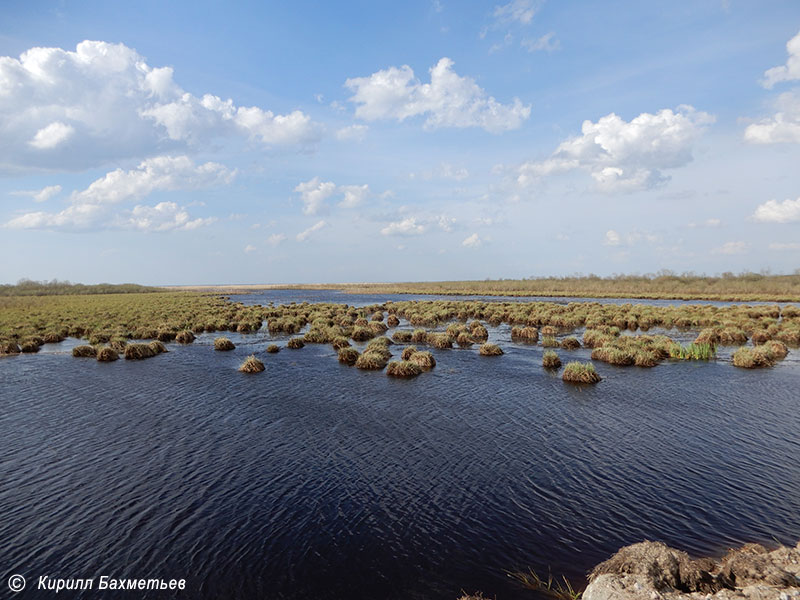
(273, 349)
(464, 340)
(403, 368)
(419, 336)
(578, 372)
(440, 340)
(107, 354)
(392, 321)
(223, 344)
(570, 343)
(777, 348)
(478, 331)
(184, 337)
(408, 351)
(760, 337)
(84, 351)
(295, 343)
(550, 360)
(753, 358)
(362, 334)
(371, 361)
(340, 342)
(251, 365)
(424, 360)
(402, 336)
(525, 334)
(489, 349)
(613, 355)
(378, 327)
(348, 355)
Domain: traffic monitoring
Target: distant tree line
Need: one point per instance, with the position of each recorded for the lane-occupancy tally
(55, 287)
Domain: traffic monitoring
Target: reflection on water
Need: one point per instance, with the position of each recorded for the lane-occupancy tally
(316, 480)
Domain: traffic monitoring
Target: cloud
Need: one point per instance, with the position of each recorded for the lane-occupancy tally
(92, 207)
(276, 239)
(52, 136)
(548, 42)
(732, 248)
(788, 72)
(102, 102)
(304, 235)
(472, 241)
(314, 193)
(612, 238)
(41, 195)
(449, 100)
(355, 133)
(519, 11)
(625, 155)
(784, 246)
(707, 223)
(443, 171)
(773, 211)
(782, 127)
(405, 227)
(249, 248)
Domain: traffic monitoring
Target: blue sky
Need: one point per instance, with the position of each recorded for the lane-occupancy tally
(206, 142)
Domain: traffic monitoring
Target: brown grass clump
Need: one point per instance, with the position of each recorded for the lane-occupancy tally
(440, 340)
(165, 335)
(549, 330)
(570, 343)
(550, 360)
(273, 348)
(223, 344)
(348, 355)
(549, 341)
(29, 346)
(377, 316)
(594, 338)
(403, 368)
(789, 336)
(732, 337)
(526, 334)
(419, 336)
(184, 337)
(9, 348)
(646, 358)
(107, 354)
(362, 334)
(464, 340)
(778, 349)
(392, 321)
(380, 347)
(251, 365)
(340, 342)
(753, 358)
(614, 356)
(84, 351)
(577, 372)
(479, 332)
(424, 360)
(378, 327)
(488, 349)
(138, 351)
(402, 336)
(295, 343)
(118, 344)
(760, 337)
(408, 351)
(371, 361)
(157, 347)
(52, 337)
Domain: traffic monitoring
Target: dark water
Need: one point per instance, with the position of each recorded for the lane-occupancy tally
(316, 480)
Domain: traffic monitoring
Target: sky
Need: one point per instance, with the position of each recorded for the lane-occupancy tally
(213, 142)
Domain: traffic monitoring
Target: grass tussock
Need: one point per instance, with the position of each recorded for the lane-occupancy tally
(550, 360)
(408, 351)
(440, 341)
(348, 355)
(489, 349)
(570, 343)
(52, 337)
(184, 337)
(419, 336)
(403, 368)
(362, 334)
(8, 347)
(578, 372)
(762, 356)
(340, 342)
(548, 341)
(157, 347)
(107, 354)
(84, 351)
(273, 349)
(424, 360)
(251, 365)
(402, 336)
(693, 351)
(525, 334)
(139, 351)
(223, 344)
(29, 346)
(371, 361)
(295, 343)
(392, 321)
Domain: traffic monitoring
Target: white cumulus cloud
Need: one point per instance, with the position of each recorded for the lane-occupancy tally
(781, 127)
(472, 241)
(548, 43)
(788, 72)
(773, 211)
(732, 248)
(314, 193)
(164, 216)
(784, 246)
(520, 11)
(449, 100)
(41, 195)
(352, 132)
(625, 155)
(276, 239)
(612, 238)
(407, 226)
(102, 102)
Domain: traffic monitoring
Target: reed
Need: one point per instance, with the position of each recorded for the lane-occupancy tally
(692, 351)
